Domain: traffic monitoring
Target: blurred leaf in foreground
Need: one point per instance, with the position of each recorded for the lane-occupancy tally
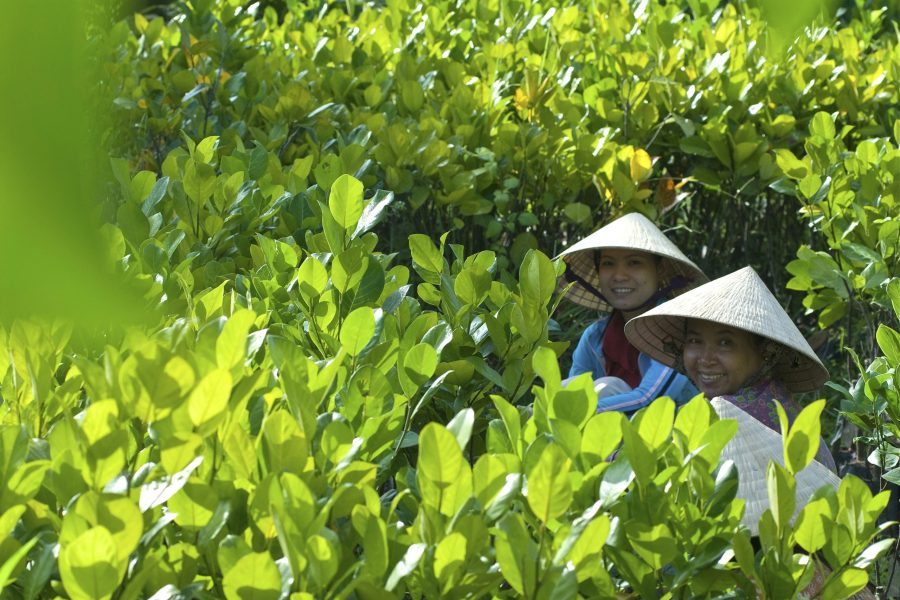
(786, 20)
(51, 250)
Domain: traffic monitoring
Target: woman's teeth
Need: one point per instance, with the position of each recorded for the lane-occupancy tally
(710, 378)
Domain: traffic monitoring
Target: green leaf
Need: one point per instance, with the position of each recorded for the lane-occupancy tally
(724, 490)
(346, 201)
(809, 185)
(584, 543)
(155, 196)
(328, 169)
(324, 554)
(638, 454)
(517, 554)
(868, 556)
(822, 124)
(209, 400)
(616, 480)
(489, 477)
(546, 366)
(374, 212)
(782, 499)
(312, 278)
(259, 161)
(426, 257)
(375, 542)
(790, 164)
(348, 268)
(357, 329)
(449, 556)
(812, 524)
(845, 584)
(335, 235)
(416, 367)
(655, 422)
(231, 549)
(23, 483)
(655, 544)
(87, 565)
(253, 577)
(370, 286)
(461, 426)
(802, 442)
(199, 181)
(194, 505)
(537, 278)
(231, 345)
(285, 443)
(576, 404)
(889, 342)
(440, 455)
(693, 420)
(602, 435)
(155, 493)
(12, 562)
(512, 422)
(549, 487)
(406, 565)
(214, 526)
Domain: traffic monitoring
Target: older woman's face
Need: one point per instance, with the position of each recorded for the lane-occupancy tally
(718, 358)
(628, 278)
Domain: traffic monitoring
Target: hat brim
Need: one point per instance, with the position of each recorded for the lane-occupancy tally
(633, 231)
(740, 300)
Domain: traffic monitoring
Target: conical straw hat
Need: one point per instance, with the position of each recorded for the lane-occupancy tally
(751, 449)
(740, 300)
(632, 231)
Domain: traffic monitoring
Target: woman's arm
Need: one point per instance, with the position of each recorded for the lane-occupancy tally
(658, 380)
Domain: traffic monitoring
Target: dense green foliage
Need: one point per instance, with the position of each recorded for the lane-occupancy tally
(341, 216)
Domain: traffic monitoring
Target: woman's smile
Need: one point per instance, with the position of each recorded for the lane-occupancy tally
(720, 359)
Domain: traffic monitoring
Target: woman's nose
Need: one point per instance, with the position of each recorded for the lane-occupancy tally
(708, 355)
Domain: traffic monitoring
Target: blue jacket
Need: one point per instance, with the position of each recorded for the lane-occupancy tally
(658, 379)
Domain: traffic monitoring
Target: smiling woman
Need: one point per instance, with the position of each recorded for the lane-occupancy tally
(623, 269)
(735, 342)
(720, 359)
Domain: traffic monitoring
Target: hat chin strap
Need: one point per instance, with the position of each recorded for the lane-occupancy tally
(573, 277)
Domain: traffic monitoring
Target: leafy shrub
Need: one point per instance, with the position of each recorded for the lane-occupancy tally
(331, 400)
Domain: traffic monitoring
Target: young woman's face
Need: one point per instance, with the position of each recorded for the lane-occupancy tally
(720, 359)
(628, 278)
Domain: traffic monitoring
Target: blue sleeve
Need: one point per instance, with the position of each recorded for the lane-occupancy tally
(658, 380)
(588, 357)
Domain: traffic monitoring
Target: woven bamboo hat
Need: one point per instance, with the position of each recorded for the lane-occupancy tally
(751, 449)
(632, 231)
(740, 300)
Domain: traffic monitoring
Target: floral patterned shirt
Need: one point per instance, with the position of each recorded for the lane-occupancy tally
(757, 400)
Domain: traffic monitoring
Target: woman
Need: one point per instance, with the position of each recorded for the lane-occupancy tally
(625, 268)
(735, 342)
(743, 351)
